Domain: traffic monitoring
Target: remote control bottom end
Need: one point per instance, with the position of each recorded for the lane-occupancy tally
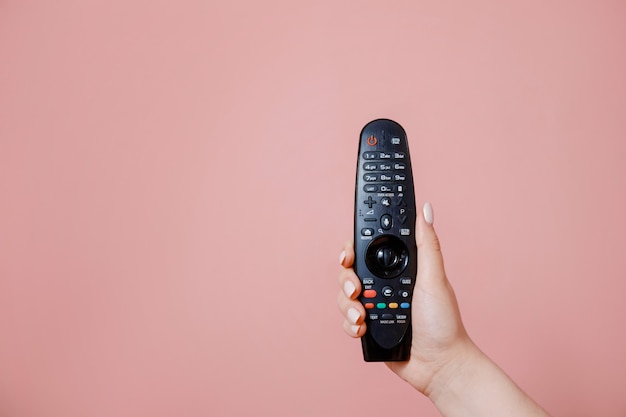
(372, 352)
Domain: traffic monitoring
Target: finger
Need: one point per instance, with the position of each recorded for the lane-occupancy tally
(346, 257)
(352, 310)
(353, 313)
(430, 267)
(354, 330)
(349, 283)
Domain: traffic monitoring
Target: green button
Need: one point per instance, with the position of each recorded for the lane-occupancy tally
(381, 305)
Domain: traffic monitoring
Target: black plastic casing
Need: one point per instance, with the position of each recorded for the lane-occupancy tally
(384, 239)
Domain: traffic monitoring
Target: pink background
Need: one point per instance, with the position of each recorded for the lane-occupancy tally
(176, 182)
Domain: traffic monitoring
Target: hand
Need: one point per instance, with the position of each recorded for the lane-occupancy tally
(439, 338)
(444, 363)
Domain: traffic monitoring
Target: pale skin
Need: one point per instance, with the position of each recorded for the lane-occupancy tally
(445, 364)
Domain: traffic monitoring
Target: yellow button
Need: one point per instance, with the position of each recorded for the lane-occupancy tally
(393, 305)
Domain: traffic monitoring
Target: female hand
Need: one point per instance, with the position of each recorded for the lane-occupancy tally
(444, 363)
(439, 338)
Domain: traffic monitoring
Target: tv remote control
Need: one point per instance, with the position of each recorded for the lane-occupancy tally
(384, 241)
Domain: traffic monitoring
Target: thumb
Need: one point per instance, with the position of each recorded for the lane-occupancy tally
(429, 258)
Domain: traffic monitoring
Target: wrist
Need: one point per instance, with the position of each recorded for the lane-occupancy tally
(459, 362)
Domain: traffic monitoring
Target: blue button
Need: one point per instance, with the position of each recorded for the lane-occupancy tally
(405, 305)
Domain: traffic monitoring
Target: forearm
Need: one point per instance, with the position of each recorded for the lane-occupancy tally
(475, 386)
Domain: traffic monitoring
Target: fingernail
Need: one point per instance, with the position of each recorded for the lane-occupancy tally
(428, 213)
(349, 288)
(353, 315)
(355, 329)
(342, 257)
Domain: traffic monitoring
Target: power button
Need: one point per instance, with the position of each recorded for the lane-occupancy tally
(372, 140)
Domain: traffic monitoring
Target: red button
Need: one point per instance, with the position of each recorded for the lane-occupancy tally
(372, 140)
(369, 293)
(369, 305)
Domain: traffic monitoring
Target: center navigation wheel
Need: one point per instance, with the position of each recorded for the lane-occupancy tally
(387, 256)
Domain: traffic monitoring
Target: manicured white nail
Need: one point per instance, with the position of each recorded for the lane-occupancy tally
(342, 257)
(355, 329)
(349, 288)
(353, 315)
(428, 213)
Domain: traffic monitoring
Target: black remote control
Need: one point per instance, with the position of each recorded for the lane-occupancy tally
(384, 241)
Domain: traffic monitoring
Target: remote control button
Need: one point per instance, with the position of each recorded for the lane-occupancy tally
(385, 221)
(371, 219)
(384, 167)
(369, 293)
(387, 291)
(405, 232)
(395, 140)
(403, 293)
(393, 305)
(400, 188)
(384, 155)
(405, 305)
(372, 140)
(368, 305)
(370, 188)
(387, 316)
(386, 256)
(406, 281)
(385, 189)
(367, 231)
(381, 306)
(370, 177)
(370, 201)
(401, 316)
(370, 167)
(400, 177)
(386, 201)
(384, 177)
(399, 166)
(398, 155)
(369, 155)
(373, 316)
